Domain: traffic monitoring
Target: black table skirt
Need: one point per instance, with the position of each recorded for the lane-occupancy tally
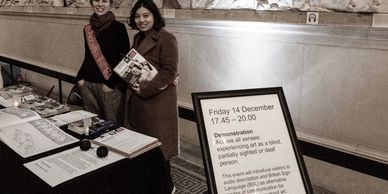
(145, 174)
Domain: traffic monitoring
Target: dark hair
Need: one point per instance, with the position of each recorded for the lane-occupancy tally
(111, 2)
(151, 6)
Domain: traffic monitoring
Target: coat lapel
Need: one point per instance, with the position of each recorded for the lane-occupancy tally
(148, 43)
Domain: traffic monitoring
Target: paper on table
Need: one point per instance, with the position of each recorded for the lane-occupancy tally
(13, 115)
(34, 137)
(70, 117)
(66, 165)
(6, 102)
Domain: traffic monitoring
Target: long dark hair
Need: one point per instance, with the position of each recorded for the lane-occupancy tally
(151, 6)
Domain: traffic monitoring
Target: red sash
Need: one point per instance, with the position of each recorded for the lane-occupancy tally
(95, 49)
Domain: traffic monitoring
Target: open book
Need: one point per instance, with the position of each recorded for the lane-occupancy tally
(28, 134)
(127, 142)
(134, 67)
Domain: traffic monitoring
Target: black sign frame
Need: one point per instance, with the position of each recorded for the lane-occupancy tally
(207, 160)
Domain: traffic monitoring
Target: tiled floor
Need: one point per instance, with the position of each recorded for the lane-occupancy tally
(187, 170)
(189, 175)
(186, 182)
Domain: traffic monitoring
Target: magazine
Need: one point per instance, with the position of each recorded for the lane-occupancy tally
(28, 134)
(134, 68)
(127, 142)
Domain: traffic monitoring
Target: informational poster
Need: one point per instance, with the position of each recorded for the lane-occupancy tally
(249, 143)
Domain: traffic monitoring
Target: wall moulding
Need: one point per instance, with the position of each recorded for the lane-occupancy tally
(283, 17)
(302, 5)
(354, 148)
(355, 36)
(57, 13)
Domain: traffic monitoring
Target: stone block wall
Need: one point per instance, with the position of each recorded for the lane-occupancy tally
(334, 74)
(374, 6)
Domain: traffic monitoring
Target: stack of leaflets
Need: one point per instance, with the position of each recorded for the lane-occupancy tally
(13, 94)
(74, 120)
(83, 123)
(44, 106)
(134, 67)
(127, 142)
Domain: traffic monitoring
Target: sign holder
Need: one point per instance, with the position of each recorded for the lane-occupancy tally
(248, 142)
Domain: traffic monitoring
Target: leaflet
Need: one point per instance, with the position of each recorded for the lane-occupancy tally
(58, 168)
(34, 137)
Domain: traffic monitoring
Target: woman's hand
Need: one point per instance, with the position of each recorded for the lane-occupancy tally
(147, 73)
(144, 75)
(136, 88)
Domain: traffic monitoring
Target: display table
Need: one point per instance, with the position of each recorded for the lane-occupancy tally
(144, 174)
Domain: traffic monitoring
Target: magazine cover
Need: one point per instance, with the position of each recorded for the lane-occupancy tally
(134, 68)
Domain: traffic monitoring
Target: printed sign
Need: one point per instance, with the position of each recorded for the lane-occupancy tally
(249, 143)
(312, 18)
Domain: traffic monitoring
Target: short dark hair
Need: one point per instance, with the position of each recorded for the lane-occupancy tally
(151, 6)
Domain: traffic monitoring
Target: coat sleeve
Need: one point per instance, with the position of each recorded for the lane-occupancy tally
(168, 65)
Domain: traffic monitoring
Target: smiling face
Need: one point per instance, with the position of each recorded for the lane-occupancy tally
(101, 7)
(144, 19)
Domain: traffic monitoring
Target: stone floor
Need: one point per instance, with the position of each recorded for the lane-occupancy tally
(187, 170)
(189, 175)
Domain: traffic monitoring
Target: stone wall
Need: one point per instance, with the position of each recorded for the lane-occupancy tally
(374, 6)
(302, 5)
(334, 74)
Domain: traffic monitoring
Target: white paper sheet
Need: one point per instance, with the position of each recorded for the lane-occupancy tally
(34, 137)
(70, 117)
(6, 102)
(66, 165)
(13, 115)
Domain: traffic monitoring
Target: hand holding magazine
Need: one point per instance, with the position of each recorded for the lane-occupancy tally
(134, 68)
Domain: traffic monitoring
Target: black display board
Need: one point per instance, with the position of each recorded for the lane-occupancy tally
(249, 143)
